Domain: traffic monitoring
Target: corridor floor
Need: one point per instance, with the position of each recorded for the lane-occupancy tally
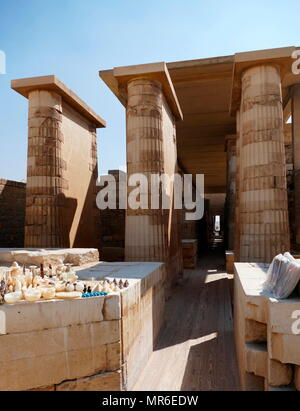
(195, 348)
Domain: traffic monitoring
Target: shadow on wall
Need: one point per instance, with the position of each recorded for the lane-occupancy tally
(12, 213)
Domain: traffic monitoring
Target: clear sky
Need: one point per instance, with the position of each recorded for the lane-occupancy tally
(74, 39)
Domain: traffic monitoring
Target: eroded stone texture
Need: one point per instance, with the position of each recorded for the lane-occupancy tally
(264, 225)
(101, 382)
(33, 256)
(274, 353)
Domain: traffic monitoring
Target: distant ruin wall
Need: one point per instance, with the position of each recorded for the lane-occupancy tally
(12, 213)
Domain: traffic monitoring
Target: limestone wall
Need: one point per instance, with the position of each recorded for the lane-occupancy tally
(61, 166)
(99, 343)
(12, 213)
(47, 344)
(268, 351)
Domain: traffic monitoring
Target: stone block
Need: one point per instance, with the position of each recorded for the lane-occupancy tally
(112, 307)
(110, 381)
(297, 378)
(113, 357)
(279, 374)
(25, 317)
(48, 388)
(27, 373)
(281, 315)
(285, 348)
(255, 331)
(15, 347)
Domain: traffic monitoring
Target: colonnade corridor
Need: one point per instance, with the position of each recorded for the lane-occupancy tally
(195, 349)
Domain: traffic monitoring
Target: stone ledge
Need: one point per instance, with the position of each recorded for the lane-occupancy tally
(36, 256)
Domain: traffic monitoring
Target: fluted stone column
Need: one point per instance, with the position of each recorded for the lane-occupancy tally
(264, 226)
(146, 237)
(45, 183)
(296, 151)
(231, 189)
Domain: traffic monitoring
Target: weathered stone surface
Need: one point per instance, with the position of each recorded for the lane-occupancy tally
(263, 190)
(32, 256)
(103, 382)
(285, 348)
(48, 388)
(255, 331)
(229, 261)
(113, 357)
(151, 149)
(297, 378)
(12, 213)
(26, 373)
(281, 315)
(42, 315)
(279, 374)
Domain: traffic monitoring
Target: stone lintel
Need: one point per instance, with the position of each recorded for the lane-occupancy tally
(51, 83)
(280, 57)
(118, 78)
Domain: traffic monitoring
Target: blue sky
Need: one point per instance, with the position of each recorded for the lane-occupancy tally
(74, 39)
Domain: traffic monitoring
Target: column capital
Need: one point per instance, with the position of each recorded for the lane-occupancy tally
(279, 57)
(118, 78)
(50, 83)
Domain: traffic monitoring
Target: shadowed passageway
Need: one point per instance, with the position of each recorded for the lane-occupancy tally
(195, 349)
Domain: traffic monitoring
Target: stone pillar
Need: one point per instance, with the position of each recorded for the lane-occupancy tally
(146, 237)
(264, 225)
(296, 151)
(44, 226)
(237, 192)
(231, 189)
(62, 169)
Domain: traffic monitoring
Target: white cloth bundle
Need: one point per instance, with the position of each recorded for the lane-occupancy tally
(283, 276)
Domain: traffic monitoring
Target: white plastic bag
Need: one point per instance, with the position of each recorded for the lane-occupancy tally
(283, 276)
